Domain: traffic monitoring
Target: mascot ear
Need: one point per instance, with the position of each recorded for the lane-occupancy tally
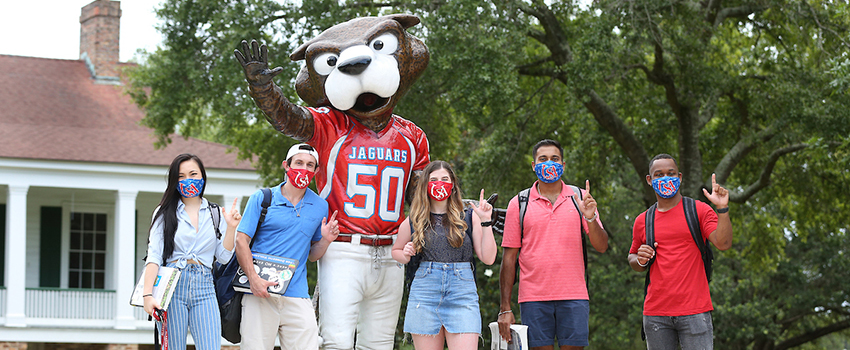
(406, 21)
(300, 53)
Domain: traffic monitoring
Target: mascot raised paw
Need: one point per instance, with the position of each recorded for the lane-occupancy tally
(354, 75)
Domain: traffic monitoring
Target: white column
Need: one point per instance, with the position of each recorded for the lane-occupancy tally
(16, 255)
(124, 253)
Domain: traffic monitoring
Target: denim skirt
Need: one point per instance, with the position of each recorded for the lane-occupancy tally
(443, 295)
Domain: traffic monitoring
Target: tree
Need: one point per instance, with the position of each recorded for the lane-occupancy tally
(755, 91)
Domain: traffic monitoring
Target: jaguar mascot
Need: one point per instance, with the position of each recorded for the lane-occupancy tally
(354, 75)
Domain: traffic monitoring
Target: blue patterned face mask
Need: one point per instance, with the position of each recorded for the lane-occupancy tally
(666, 186)
(549, 171)
(189, 188)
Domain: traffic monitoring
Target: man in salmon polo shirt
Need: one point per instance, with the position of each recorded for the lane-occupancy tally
(553, 297)
(677, 308)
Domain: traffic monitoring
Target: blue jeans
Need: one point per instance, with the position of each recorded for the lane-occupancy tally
(692, 332)
(194, 308)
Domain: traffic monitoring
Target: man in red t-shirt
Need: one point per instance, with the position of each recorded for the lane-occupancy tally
(553, 295)
(677, 309)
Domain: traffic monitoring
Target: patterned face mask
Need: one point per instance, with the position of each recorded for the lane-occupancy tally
(549, 171)
(189, 188)
(439, 190)
(300, 178)
(666, 186)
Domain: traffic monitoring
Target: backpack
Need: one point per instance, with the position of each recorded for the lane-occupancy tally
(522, 198)
(689, 205)
(215, 213)
(412, 265)
(229, 301)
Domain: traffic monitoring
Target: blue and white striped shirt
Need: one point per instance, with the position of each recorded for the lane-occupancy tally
(200, 245)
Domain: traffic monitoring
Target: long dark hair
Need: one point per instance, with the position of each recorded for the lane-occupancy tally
(168, 205)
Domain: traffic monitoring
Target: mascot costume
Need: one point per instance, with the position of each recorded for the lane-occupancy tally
(355, 74)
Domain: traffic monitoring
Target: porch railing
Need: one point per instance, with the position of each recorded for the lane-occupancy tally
(70, 303)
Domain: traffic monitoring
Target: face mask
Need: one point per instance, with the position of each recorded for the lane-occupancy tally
(666, 186)
(439, 190)
(300, 178)
(549, 171)
(189, 188)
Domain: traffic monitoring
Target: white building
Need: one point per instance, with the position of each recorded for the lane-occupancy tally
(79, 178)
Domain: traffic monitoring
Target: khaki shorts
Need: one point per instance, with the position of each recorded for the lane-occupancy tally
(293, 319)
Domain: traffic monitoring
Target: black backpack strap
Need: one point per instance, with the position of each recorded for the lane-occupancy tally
(650, 232)
(215, 213)
(522, 199)
(267, 201)
(468, 218)
(577, 191)
(412, 265)
(692, 218)
(649, 224)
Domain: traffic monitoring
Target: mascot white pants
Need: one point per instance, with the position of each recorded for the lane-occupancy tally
(360, 289)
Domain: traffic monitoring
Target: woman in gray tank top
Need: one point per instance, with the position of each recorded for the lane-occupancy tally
(443, 305)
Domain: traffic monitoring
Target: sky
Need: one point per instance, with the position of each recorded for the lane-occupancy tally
(51, 28)
(55, 33)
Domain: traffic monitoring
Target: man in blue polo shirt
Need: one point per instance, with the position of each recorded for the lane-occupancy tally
(295, 227)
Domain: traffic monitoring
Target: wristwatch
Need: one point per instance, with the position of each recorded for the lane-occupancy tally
(487, 223)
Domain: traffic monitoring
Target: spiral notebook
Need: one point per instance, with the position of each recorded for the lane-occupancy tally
(163, 287)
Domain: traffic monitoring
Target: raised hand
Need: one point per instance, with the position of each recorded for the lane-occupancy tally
(255, 63)
(587, 204)
(330, 228)
(232, 216)
(719, 196)
(483, 209)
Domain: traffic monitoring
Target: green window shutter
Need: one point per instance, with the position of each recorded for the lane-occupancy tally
(50, 247)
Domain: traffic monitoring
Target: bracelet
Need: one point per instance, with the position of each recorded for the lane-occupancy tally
(591, 219)
(487, 223)
(723, 210)
(147, 295)
(642, 265)
(504, 312)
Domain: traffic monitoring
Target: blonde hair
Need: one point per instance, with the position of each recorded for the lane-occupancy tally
(420, 209)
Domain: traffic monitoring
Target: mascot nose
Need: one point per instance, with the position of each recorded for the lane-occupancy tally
(355, 65)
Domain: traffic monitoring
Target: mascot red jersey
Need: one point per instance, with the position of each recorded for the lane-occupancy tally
(355, 74)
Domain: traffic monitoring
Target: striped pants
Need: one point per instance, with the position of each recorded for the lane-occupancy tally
(194, 308)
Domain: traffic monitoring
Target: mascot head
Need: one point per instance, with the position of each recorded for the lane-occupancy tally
(362, 66)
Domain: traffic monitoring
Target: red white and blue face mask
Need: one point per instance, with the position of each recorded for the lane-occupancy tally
(300, 178)
(439, 190)
(189, 188)
(666, 186)
(549, 171)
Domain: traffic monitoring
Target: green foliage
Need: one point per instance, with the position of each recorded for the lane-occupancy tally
(755, 91)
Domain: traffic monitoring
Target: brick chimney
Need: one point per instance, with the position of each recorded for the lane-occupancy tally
(99, 26)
